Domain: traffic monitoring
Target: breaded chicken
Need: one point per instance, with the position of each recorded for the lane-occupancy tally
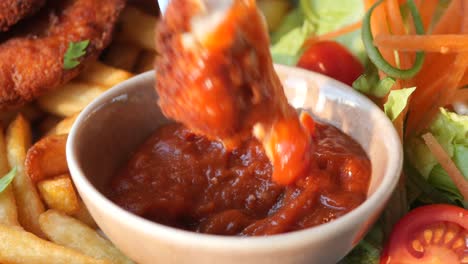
(32, 65)
(12, 11)
(215, 75)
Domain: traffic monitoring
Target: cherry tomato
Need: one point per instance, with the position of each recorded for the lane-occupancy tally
(332, 59)
(429, 234)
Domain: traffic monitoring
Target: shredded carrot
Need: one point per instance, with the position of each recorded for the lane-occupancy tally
(452, 43)
(344, 30)
(368, 4)
(450, 87)
(426, 103)
(446, 162)
(450, 21)
(427, 9)
(397, 27)
(379, 25)
(394, 17)
(444, 70)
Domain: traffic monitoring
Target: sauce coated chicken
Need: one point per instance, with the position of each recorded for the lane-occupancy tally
(215, 75)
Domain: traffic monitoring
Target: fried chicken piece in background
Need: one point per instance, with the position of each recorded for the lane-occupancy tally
(33, 64)
(215, 75)
(12, 11)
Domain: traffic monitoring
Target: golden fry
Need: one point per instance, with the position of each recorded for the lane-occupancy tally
(69, 232)
(21, 247)
(137, 27)
(8, 211)
(59, 194)
(145, 61)
(64, 126)
(70, 98)
(101, 74)
(29, 203)
(47, 158)
(122, 55)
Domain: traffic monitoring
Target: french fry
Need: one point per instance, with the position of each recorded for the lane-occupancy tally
(70, 98)
(59, 194)
(101, 74)
(122, 55)
(69, 232)
(8, 211)
(28, 202)
(21, 247)
(47, 158)
(64, 126)
(141, 35)
(145, 61)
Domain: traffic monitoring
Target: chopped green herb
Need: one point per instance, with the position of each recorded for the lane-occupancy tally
(74, 52)
(7, 179)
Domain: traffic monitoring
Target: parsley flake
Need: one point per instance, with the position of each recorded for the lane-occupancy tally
(7, 179)
(74, 52)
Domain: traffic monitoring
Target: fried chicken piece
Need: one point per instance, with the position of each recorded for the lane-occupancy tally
(33, 65)
(12, 11)
(215, 75)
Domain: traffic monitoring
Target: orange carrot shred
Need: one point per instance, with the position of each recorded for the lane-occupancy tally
(452, 43)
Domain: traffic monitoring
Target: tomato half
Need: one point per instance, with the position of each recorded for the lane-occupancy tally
(429, 234)
(332, 59)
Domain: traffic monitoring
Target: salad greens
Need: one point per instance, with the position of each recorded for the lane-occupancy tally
(316, 17)
(451, 131)
(397, 101)
(426, 181)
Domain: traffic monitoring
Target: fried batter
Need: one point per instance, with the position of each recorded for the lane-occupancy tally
(12, 11)
(215, 75)
(33, 65)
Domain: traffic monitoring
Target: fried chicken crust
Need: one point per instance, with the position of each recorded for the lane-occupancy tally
(12, 11)
(33, 65)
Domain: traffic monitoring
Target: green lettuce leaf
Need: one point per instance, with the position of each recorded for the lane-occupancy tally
(329, 16)
(289, 48)
(316, 17)
(397, 101)
(451, 131)
(294, 19)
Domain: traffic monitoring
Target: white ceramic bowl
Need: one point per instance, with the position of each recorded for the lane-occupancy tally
(111, 127)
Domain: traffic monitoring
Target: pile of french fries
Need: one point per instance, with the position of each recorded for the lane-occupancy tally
(42, 217)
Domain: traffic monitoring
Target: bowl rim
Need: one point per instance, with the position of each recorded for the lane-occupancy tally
(216, 242)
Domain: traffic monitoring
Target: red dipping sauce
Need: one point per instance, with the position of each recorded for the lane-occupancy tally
(179, 179)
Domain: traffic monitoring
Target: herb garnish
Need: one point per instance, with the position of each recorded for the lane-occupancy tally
(74, 52)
